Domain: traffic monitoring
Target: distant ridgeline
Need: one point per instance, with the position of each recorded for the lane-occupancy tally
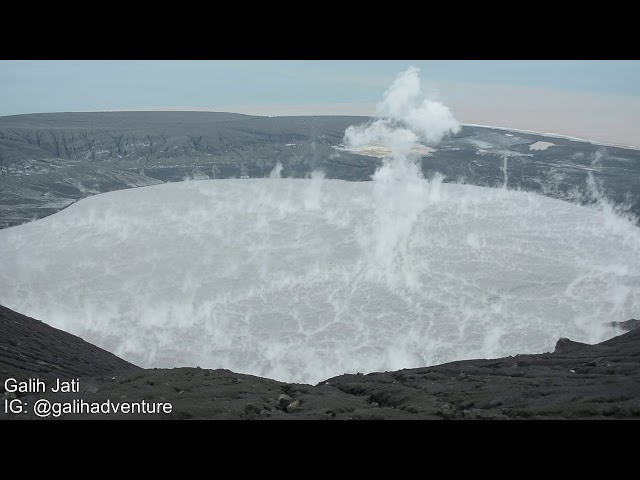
(49, 161)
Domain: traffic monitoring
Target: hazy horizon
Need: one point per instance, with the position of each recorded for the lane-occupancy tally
(597, 101)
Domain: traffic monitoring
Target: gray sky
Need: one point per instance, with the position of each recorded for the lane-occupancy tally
(596, 100)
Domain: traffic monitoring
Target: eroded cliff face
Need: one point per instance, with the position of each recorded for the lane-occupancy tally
(48, 161)
(169, 145)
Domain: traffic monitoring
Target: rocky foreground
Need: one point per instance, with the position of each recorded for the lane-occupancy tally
(575, 381)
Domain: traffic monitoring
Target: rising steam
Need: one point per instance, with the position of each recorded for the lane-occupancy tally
(404, 117)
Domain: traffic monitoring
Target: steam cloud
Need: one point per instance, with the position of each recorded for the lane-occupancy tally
(404, 117)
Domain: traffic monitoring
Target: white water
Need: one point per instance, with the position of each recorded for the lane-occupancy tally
(301, 280)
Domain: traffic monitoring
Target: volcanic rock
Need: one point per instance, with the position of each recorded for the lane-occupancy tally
(576, 381)
(627, 326)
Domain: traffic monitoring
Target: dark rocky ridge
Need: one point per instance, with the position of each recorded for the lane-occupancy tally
(576, 381)
(48, 161)
(628, 325)
(31, 348)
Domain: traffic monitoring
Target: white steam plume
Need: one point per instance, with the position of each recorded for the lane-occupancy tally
(404, 118)
(277, 171)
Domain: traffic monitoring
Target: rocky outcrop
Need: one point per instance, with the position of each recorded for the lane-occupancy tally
(627, 326)
(575, 381)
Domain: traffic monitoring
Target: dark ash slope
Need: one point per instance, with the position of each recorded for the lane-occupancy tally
(576, 381)
(31, 348)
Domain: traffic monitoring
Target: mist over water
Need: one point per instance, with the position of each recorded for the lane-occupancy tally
(301, 280)
(286, 279)
(403, 118)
